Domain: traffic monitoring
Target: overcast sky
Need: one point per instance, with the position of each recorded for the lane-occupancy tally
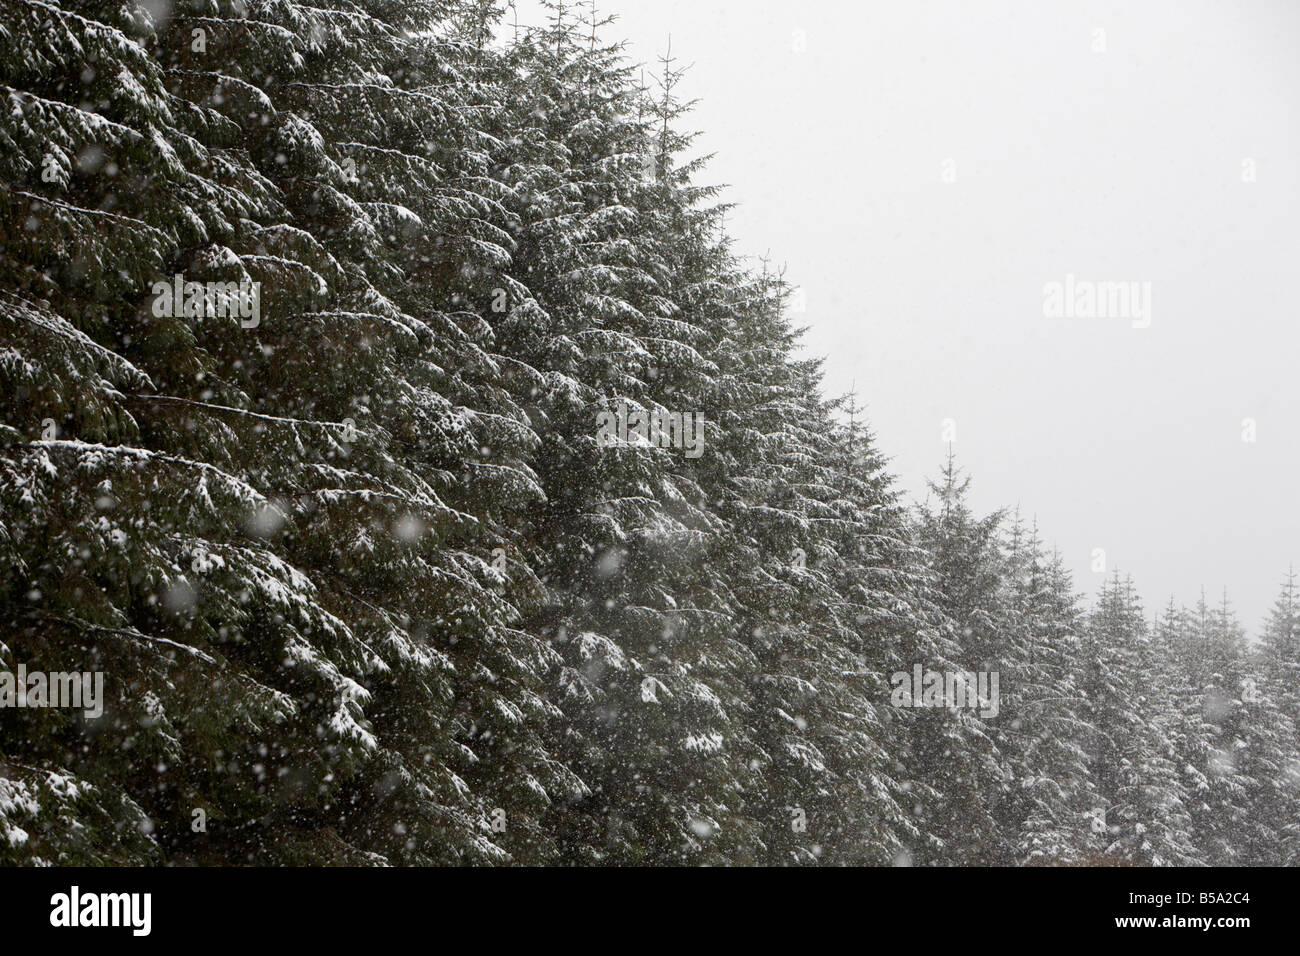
(925, 168)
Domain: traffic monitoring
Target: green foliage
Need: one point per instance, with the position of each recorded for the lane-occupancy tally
(364, 581)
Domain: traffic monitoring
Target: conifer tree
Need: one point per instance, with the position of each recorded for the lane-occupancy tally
(310, 548)
(1143, 815)
(1280, 652)
(972, 774)
(1054, 802)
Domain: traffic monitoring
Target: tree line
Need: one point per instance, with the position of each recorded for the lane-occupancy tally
(368, 579)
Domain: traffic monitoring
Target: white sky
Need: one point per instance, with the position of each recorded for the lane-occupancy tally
(1118, 165)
